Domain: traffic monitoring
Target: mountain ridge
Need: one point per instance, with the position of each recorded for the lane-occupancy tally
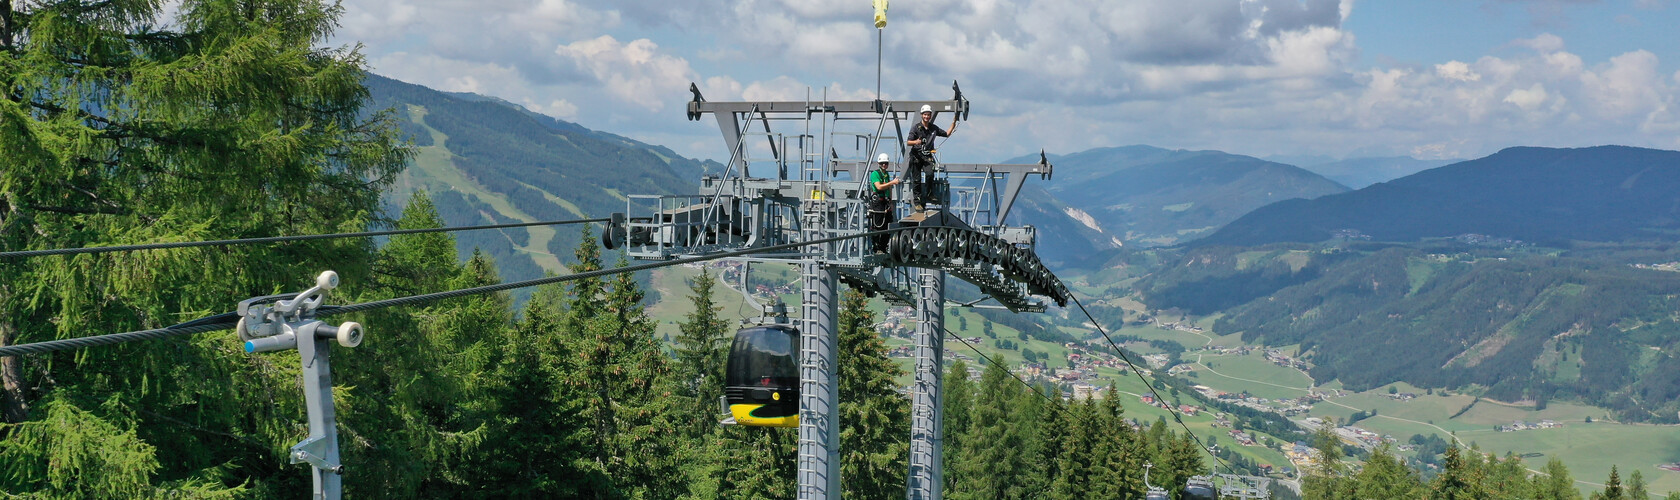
(1548, 195)
(1148, 196)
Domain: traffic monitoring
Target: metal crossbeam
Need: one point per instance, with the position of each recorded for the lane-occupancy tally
(903, 108)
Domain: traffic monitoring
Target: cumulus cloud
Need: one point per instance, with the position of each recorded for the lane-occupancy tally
(1456, 70)
(1528, 99)
(635, 72)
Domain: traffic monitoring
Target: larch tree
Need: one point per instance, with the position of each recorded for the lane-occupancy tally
(1555, 483)
(1386, 476)
(1509, 477)
(1636, 489)
(121, 125)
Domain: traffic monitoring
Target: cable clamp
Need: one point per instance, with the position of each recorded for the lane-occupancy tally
(277, 322)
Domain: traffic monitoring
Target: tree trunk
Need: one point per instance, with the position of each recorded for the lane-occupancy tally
(6, 26)
(13, 407)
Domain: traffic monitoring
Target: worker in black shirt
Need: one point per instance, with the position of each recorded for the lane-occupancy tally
(920, 170)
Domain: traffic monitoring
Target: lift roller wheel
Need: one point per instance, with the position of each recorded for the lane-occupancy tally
(350, 334)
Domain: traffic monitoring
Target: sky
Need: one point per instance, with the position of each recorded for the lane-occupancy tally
(1329, 78)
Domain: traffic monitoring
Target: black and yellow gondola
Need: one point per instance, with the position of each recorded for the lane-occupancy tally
(761, 385)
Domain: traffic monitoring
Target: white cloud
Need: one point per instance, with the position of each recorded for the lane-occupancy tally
(559, 108)
(636, 72)
(1250, 76)
(1543, 43)
(1456, 70)
(1528, 99)
(1628, 85)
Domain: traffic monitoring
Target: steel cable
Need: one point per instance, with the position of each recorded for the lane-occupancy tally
(1146, 384)
(1011, 373)
(280, 239)
(227, 320)
(209, 324)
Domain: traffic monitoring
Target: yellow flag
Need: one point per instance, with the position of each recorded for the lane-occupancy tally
(880, 13)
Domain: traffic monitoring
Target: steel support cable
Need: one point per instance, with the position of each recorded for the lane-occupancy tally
(227, 320)
(1011, 373)
(279, 239)
(1122, 353)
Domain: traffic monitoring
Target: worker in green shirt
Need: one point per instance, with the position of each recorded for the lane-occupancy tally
(881, 205)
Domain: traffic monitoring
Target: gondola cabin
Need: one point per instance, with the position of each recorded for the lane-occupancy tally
(1199, 488)
(762, 383)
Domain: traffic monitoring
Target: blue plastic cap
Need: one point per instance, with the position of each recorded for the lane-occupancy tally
(250, 347)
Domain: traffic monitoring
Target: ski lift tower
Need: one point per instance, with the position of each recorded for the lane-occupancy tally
(796, 173)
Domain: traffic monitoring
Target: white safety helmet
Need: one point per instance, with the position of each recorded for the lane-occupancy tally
(927, 108)
(881, 158)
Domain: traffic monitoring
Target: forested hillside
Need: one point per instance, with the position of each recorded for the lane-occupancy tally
(487, 161)
(1527, 325)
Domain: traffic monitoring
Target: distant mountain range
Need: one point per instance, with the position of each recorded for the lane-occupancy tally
(1148, 196)
(1540, 195)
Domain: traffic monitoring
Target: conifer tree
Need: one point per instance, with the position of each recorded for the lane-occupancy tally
(468, 333)
(1120, 453)
(1386, 476)
(874, 418)
(1027, 419)
(1325, 480)
(1052, 437)
(1078, 463)
(1460, 476)
(1612, 487)
(747, 463)
(1636, 487)
(398, 388)
(1555, 483)
(1155, 439)
(1508, 477)
(631, 375)
(700, 352)
(959, 397)
(236, 120)
(992, 446)
(535, 433)
(1175, 465)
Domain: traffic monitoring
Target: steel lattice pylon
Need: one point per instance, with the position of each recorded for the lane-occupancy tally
(782, 187)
